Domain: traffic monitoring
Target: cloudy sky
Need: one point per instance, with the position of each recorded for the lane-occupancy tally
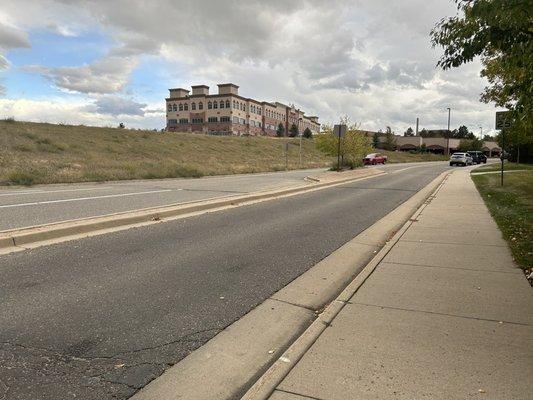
(100, 62)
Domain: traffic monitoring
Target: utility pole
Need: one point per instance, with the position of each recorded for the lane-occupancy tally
(416, 126)
(481, 134)
(448, 139)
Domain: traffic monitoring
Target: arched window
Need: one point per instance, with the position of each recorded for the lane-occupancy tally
(200, 106)
(169, 107)
(215, 104)
(174, 108)
(228, 104)
(193, 106)
(209, 105)
(234, 106)
(221, 103)
(181, 107)
(186, 107)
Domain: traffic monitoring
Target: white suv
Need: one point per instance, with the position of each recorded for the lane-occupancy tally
(461, 159)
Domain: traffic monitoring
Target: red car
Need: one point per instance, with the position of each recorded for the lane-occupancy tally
(374, 158)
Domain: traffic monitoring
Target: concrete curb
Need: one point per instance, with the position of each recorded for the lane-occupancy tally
(265, 386)
(251, 350)
(19, 239)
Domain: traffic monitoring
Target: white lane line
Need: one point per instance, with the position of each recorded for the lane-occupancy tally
(84, 198)
(403, 169)
(53, 191)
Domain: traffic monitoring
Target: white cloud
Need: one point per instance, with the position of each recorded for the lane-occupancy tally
(106, 75)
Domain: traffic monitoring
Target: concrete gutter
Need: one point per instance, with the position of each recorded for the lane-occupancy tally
(250, 353)
(20, 239)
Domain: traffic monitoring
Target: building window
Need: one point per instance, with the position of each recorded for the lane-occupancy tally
(212, 119)
(181, 107)
(259, 112)
(193, 106)
(209, 105)
(197, 120)
(215, 104)
(200, 106)
(169, 107)
(172, 121)
(234, 104)
(221, 103)
(225, 119)
(228, 104)
(242, 121)
(235, 120)
(184, 121)
(186, 107)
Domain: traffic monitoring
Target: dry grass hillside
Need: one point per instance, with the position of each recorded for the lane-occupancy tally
(47, 153)
(32, 153)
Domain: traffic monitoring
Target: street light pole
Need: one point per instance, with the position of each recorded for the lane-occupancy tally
(299, 134)
(448, 135)
(481, 134)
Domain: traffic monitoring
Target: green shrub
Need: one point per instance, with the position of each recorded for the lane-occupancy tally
(21, 178)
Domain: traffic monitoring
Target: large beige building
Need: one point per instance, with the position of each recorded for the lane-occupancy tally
(228, 113)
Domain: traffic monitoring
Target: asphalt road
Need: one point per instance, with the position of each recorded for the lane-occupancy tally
(23, 207)
(98, 318)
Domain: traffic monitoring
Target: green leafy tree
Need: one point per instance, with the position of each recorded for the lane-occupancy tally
(488, 138)
(375, 140)
(293, 131)
(355, 145)
(390, 142)
(500, 32)
(409, 132)
(423, 148)
(280, 131)
(307, 133)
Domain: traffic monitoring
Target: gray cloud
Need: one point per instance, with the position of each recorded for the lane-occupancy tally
(114, 105)
(368, 59)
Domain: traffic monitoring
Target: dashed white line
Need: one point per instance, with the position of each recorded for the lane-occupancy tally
(84, 198)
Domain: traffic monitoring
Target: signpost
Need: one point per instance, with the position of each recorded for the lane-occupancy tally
(503, 122)
(339, 131)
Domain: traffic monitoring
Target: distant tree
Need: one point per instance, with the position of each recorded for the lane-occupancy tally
(390, 142)
(121, 125)
(423, 148)
(409, 132)
(460, 133)
(424, 133)
(293, 131)
(488, 138)
(280, 132)
(470, 144)
(375, 140)
(307, 133)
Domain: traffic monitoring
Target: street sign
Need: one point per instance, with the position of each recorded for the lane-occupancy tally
(503, 120)
(339, 130)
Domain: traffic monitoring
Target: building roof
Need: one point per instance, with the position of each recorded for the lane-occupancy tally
(200, 86)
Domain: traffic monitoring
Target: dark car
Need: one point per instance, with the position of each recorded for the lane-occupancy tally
(478, 157)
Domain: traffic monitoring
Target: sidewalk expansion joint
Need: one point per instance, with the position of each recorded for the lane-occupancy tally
(513, 272)
(439, 313)
(294, 304)
(298, 394)
(455, 244)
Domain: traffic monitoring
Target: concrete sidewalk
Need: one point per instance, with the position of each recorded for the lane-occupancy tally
(445, 315)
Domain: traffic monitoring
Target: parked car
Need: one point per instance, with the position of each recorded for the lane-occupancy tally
(461, 159)
(478, 157)
(374, 158)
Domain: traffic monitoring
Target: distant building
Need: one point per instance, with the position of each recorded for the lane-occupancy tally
(437, 144)
(228, 113)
